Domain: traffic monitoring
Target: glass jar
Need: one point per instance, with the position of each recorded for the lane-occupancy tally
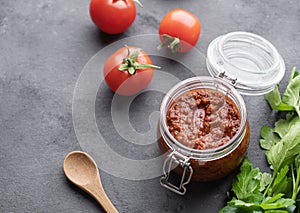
(240, 63)
(207, 164)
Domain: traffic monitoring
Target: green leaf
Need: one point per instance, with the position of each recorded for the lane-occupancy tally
(277, 202)
(229, 209)
(269, 137)
(241, 209)
(282, 183)
(292, 208)
(272, 199)
(242, 203)
(265, 180)
(281, 176)
(290, 100)
(239, 206)
(285, 151)
(276, 211)
(286, 202)
(283, 126)
(246, 186)
(292, 92)
(275, 102)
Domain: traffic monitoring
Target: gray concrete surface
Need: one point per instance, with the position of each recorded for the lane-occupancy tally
(43, 47)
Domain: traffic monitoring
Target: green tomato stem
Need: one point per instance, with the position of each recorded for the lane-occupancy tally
(130, 64)
(172, 43)
(139, 3)
(136, 1)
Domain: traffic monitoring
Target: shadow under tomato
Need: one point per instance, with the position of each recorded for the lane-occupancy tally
(106, 39)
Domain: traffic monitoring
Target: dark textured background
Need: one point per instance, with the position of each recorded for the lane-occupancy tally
(43, 47)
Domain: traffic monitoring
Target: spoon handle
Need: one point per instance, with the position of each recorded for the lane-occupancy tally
(99, 194)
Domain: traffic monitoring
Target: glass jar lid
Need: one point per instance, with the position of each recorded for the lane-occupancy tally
(250, 62)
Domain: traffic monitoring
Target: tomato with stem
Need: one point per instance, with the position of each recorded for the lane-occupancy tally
(179, 30)
(113, 16)
(128, 70)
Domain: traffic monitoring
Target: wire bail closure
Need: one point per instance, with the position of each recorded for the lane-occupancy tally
(222, 75)
(174, 160)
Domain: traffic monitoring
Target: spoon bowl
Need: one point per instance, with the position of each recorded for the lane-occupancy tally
(81, 169)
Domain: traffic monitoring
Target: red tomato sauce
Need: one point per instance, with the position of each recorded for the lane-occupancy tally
(203, 119)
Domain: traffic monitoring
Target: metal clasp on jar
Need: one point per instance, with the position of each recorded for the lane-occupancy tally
(172, 161)
(223, 76)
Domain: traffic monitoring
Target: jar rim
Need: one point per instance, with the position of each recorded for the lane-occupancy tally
(169, 97)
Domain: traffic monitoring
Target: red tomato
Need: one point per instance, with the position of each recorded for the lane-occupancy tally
(179, 30)
(113, 16)
(135, 74)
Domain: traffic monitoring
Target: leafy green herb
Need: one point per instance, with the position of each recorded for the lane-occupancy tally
(284, 152)
(269, 137)
(277, 202)
(282, 184)
(247, 186)
(265, 180)
(290, 100)
(275, 101)
(278, 192)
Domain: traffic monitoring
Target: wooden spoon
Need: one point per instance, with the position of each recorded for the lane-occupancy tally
(82, 170)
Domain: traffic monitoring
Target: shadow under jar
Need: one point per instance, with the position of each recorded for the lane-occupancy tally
(203, 123)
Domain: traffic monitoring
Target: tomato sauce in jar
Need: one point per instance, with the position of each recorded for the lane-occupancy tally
(204, 126)
(203, 119)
